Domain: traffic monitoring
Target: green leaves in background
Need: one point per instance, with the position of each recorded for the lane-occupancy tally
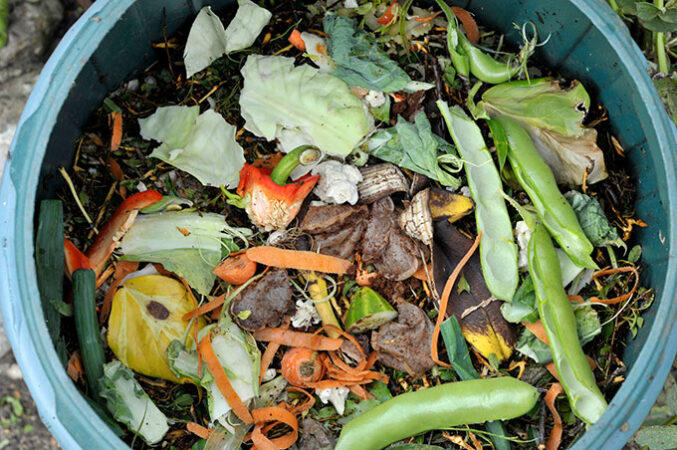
(652, 17)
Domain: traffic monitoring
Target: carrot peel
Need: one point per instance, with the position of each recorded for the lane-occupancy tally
(274, 414)
(556, 434)
(297, 259)
(297, 339)
(207, 353)
(296, 40)
(199, 430)
(444, 300)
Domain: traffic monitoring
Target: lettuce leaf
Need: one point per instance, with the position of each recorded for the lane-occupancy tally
(300, 105)
(203, 145)
(130, 405)
(186, 243)
(358, 58)
(208, 40)
(414, 146)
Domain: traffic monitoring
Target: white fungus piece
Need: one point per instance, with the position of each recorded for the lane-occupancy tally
(465, 191)
(268, 375)
(375, 99)
(305, 315)
(338, 182)
(141, 187)
(350, 4)
(337, 397)
(523, 234)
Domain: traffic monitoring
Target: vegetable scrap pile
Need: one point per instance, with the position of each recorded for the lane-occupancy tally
(348, 225)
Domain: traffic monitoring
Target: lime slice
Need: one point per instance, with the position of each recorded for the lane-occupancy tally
(368, 310)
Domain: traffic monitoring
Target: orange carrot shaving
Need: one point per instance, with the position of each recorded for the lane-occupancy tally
(623, 297)
(297, 259)
(429, 18)
(105, 275)
(199, 430)
(389, 15)
(360, 392)
(207, 307)
(296, 40)
(538, 330)
(423, 273)
(297, 339)
(207, 352)
(471, 29)
(301, 366)
(305, 406)
(364, 278)
(556, 434)
(122, 269)
(236, 269)
(116, 136)
(274, 414)
(444, 300)
(115, 169)
(269, 354)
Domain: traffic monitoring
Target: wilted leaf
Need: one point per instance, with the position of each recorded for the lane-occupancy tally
(593, 220)
(415, 147)
(208, 40)
(130, 405)
(299, 106)
(667, 91)
(204, 145)
(359, 60)
(146, 316)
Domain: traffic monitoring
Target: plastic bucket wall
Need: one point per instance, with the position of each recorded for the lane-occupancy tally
(112, 41)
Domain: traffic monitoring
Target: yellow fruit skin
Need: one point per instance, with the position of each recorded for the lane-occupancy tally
(445, 205)
(145, 317)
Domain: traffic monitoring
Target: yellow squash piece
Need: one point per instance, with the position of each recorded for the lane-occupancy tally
(146, 316)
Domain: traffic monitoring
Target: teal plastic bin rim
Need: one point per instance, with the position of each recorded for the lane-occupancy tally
(63, 409)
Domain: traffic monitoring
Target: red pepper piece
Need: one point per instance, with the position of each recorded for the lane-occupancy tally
(270, 205)
(106, 241)
(389, 15)
(75, 259)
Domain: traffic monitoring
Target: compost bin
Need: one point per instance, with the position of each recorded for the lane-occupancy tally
(112, 42)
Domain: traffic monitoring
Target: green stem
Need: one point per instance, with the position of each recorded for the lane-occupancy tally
(290, 161)
(614, 6)
(661, 55)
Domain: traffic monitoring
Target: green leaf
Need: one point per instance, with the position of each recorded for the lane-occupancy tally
(204, 145)
(300, 106)
(634, 254)
(380, 390)
(628, 6)
(130, 405)
(415, 147)
(500, 141)
(593, 220)
(658, 437)
(457, 350)
(541, 103)
(359, 60)
(158, 238)
(208, 40)
(382, 113)
(523, 305)
(415, 447)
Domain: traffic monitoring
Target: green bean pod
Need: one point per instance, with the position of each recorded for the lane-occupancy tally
(536, 178)
(555, 311)
(439, 407)
(458, 57)
(484, 67)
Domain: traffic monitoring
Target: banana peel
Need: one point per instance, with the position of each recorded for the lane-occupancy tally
(477, 311)
(146, 315)
(445, 205)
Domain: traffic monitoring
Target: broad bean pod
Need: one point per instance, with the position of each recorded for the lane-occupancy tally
(536, 178)
(439, 407)
(555, 311)
(498, 251)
